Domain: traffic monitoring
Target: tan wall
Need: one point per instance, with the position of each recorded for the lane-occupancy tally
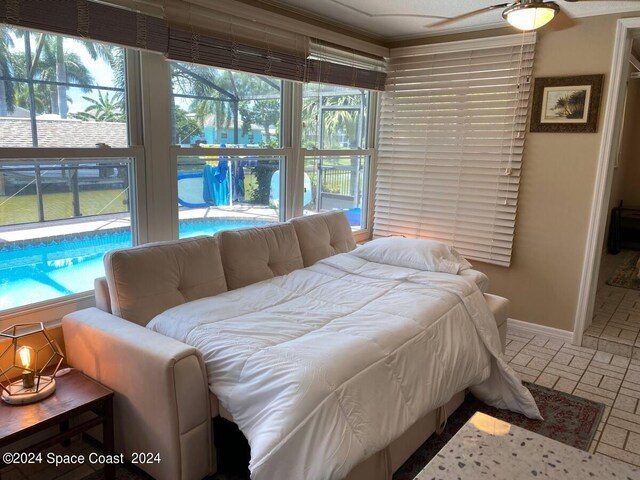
(629, 169)
(557, 188)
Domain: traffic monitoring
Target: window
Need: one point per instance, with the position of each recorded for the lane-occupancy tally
(335, 132)
(59, 92)
(218, 113)
(103, 147)
(221, 108)
(63, 202)
(452, 130)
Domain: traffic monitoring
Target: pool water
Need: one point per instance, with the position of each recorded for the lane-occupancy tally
(35, 271)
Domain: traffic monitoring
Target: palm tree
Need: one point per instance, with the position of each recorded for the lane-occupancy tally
(102, 109)
(6, 86)
(66, 67)
(54, 64)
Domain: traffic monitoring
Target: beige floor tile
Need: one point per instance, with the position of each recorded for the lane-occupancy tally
(628, 404)
(539, 341)
(618, 453)
(619, 361)
(578, 351)
(591, 378)
(525, 370)
(547, 380)
(601, 392)
(579, 362)
(552, 369)
(522, 359)
(565, 385)
(614, 436)
(563, 358)
(538, 363)
(611, 384)
(581, 392)
(607, 370)
(633, 443)
(602, 357)
(554, 344)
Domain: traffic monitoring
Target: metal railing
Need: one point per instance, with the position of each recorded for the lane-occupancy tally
(18, 179)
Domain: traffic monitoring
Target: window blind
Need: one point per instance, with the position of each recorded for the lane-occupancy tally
(85, 19)
(186, 46)
(451, 139)
(193, 33)
(340, 66)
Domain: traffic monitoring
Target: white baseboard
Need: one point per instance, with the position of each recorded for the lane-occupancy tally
(518, 326)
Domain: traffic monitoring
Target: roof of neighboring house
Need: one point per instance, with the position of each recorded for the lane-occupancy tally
(16, 132)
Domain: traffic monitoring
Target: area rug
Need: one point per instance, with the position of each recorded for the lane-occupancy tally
(626, 275)
(567, 419)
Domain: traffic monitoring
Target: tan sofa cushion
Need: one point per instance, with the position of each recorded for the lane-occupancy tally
(323, 235)
(147, 280)
(250, 255)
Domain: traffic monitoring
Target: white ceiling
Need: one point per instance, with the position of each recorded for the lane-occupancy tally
(394, 20)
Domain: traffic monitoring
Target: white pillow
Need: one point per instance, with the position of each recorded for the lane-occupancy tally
(426, 255)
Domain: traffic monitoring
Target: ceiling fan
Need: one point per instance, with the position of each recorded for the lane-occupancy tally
(522, 14)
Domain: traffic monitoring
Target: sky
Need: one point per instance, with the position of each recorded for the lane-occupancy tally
(100, 70)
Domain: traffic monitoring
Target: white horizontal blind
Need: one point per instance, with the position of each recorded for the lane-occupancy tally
(451, 139)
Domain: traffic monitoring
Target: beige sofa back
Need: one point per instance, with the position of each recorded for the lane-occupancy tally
(323, 235)
(250, 255)
(148, 279)
(143, 281)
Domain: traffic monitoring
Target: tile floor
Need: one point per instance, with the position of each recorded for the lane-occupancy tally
(615, 327)
(594, 374)
(616, 322)
(613, 380)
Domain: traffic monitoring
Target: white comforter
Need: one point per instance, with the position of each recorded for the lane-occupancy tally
(325, 366)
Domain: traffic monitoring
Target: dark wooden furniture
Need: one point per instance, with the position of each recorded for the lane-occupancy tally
(624, 229)
(75, 394)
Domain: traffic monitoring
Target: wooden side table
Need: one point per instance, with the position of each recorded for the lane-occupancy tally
(75, 394)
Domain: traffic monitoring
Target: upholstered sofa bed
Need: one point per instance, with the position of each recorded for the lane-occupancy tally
(163, 403)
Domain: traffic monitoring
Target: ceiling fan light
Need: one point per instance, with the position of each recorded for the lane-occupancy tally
(530, 16)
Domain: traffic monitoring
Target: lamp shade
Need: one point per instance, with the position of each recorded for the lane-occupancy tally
(530, 16)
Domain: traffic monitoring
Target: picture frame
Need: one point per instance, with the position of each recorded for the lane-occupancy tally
(566, 104)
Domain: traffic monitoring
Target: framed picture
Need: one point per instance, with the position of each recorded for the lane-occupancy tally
(566, 104)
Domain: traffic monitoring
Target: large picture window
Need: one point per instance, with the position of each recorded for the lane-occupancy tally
(335, 123)
(60, 92)
(65, 197)
(226, 111)
(103, 147)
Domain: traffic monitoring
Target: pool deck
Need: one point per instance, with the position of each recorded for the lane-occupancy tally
(14, 233)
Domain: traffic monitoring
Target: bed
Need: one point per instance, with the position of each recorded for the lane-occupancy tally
(333, 362)
(327, 365)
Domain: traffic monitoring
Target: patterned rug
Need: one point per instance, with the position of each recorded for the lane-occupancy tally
(626, 275)
(567, 419)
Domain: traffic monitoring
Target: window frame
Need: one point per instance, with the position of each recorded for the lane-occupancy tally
(154, 197)
(52, 310)
(370, 150)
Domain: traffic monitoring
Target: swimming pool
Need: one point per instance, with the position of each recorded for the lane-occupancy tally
(38, 270)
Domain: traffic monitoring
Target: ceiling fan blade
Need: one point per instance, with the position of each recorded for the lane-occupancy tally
(447, 21)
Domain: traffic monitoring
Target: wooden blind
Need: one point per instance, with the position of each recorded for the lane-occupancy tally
(340, 66)
(452, 130)
(192, 33)
(90, 20)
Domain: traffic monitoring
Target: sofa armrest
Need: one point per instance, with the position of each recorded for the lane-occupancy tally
(161, 402)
